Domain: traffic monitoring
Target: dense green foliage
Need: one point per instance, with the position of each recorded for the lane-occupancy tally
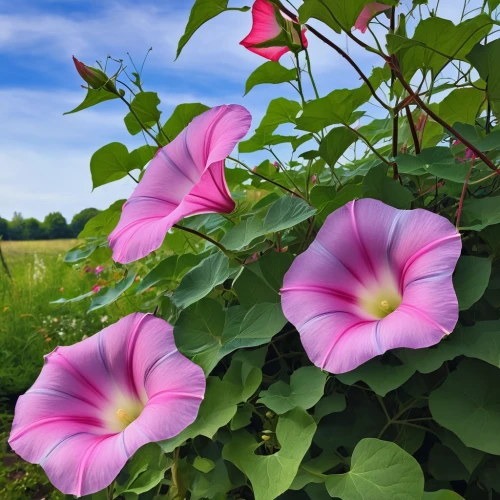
(53, 227)
(411, 424)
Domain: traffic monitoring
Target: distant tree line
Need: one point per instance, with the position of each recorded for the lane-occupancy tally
(53, 227)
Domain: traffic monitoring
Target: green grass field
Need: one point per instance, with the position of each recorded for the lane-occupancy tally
(31, 327)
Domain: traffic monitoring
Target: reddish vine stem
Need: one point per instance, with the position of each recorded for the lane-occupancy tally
(414, 134)
(447, 126)
(405, 84)
(464, 190)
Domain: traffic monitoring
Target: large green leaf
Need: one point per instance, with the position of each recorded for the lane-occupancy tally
(438, 161)
(279, 111)
(335, 143)
(435, 41)
(379, 186)
(110, 163)
(468, 404)
(205, 333)
(201, 280)
(201, 12)
(272, 475)
(284, 213)
(221, 399)
(270, 72)
(145, 107)
(486, 60)
(111, 294)
(143, 471)
(338, 14)
(382, 378)
(305, 390)
(461, 105)
(104, 222)
(470, 280)
(338, 106)
(480, 213)
(380, 470)
(92, 98)
(181, 117)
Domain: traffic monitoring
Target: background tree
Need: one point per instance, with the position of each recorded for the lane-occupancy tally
(56, 227)
(81, 218)
(16, 227)
(4, 228)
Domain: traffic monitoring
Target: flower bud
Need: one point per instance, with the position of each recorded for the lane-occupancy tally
(265, 438)
(269, 414)
(314, 179)
(95, 77)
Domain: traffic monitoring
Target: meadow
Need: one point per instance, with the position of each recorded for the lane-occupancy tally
(30, 327)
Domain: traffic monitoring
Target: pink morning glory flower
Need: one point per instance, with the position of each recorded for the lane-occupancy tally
(367, 14)
(375, 278)
(265, 27)
(96, 402)
(185, 178)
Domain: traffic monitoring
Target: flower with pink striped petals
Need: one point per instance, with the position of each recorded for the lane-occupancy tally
(185, 178)
(375, 278)
(96, 402)
(266, 26)
(367, 14)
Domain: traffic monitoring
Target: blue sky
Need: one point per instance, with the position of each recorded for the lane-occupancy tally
(44, 156)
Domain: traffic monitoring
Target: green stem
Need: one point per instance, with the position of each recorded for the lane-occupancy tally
(210, 240)
(299, 79)
(367, 142)
(140, 122)
(283, 169)
(264, 177)
(310, 74)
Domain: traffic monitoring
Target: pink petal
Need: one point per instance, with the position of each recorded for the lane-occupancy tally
(367, 14)
(67, 422)
(185, 178)
(265, 27)
(368, 251)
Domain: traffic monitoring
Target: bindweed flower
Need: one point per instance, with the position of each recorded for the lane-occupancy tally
(96, 402)
(367, 14)
(99, 269)
(268, 24)
(96, 288)
(95, 77)
(375, 278)
(186, 178)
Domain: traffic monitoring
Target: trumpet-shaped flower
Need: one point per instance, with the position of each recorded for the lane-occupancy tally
(96, 402)
(367, 14)
(266, 27)
(185, 178)
(375, 278)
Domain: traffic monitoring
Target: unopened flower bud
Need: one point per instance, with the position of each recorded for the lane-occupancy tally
(269, 414)
(265, 438)
(95, 77)
(314, 179)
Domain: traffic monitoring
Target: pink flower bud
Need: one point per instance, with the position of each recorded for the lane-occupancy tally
(314, 179)
(96, 288)
(95, 77)
(99, 269)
